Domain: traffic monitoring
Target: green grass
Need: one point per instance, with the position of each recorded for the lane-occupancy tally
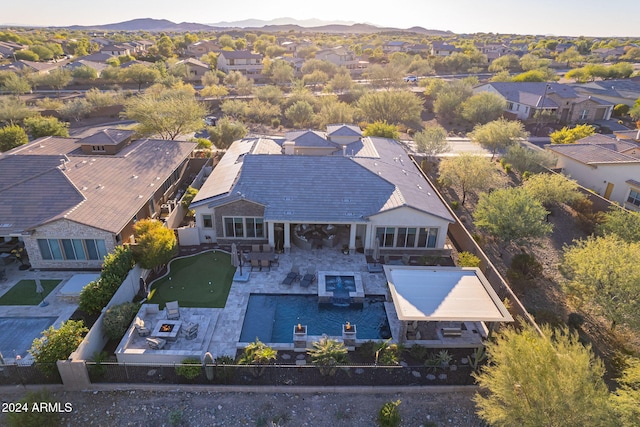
(190, 278)
(24, 292)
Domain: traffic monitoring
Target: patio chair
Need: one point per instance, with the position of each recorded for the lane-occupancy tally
(255, 248)
(173, 310)
(308, 278)
(255, 264)
(292, 276)
(265, 264)
(141, 328)
(156, 343)
(266, 248)
(191, 330)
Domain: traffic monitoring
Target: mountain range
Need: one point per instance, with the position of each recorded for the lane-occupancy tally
(280, 24)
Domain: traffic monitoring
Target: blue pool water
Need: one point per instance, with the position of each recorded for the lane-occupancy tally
(271, 318)
(18, 333)
(339, 284)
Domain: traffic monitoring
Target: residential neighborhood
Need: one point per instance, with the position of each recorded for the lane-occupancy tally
(283, 211)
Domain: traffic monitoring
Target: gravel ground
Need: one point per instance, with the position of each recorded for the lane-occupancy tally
(145, 408)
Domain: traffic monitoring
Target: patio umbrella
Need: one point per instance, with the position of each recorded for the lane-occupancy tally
(40, 290)
(235, 259)
(376, 250)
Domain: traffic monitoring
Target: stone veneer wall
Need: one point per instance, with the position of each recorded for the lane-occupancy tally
(238, 208)
(65, 229)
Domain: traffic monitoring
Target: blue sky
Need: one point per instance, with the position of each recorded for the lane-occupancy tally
(557, 17)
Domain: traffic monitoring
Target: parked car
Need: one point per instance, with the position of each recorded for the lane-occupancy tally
(411, 79)
(211, 120)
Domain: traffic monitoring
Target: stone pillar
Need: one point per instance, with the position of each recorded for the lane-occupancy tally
(352, 238)
(300, 338)
(271, 233)
(74, 375)
(287, 237)
(349, 336)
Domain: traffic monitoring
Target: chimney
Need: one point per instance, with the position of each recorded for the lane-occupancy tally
(289, 147)
(344, 151)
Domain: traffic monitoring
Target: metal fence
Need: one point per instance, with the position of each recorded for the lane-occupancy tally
(302, 375)
(29, 374)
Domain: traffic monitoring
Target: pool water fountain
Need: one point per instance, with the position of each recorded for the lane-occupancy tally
(340, 288)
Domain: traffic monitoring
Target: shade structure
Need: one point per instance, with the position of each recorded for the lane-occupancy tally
(376, 250)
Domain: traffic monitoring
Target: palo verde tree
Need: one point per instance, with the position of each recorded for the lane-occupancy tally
(622, 223)
(469, 173)
(498, 134)
(512, 215)
(542, 380)
(12, 136)
(626, 399)
(432, 141)
(225, 132)
(39, 126)
(155, 244)
(603, 272)
(393, 106)
(381, 129)
(570, 135)
(553, 189)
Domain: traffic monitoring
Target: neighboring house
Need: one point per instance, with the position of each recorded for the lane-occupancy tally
(73, 200)
(8, 49)
(98, 57)
(240, 60)
(566, 104)
(97, 66)
(395, 46)
(443, 49)
(337, 183)
(418, 48)
(340, 56)
(609, 53)
(202, 47)
(195, 69)
(618, 91)
(494, 50)
(605, 165)
(116, 50)
(31, 66)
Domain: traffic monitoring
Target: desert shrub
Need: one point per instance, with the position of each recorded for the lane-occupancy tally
(455, 205)
(548, 317)
(117, 319)
(389, 415)
(189, 368)
(526, 266)
(31, 418)
(418, 352)
(97, 369)
(188, 197)
(224, 372)
(467, 259)
(368, 348)
(387, 354)
(526, 175)
(507, 167)
(621, 110)
(575, 320)
(275, 123)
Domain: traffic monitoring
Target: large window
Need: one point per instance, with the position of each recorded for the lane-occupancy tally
(72, 249)
(207, 222)
(407, 237)
(244, 227)
(634, 198)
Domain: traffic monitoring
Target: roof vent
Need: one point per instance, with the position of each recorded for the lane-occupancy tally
(134, 176)
(419, 186)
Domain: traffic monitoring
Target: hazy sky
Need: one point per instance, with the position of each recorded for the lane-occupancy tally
(558, 17)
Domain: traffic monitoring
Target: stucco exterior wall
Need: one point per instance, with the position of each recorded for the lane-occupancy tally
(65, 229)
(406, 217)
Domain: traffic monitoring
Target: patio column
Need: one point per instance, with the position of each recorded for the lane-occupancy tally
(352, 238)
(287, 237)
(271, 233)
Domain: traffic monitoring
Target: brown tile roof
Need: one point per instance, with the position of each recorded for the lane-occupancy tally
(107, 137)
(591, 154)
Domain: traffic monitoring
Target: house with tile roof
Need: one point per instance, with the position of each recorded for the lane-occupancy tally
(524, 99)
(443, 49)
(72, 200)
(195, 69)
(340, 56)
(608, 166)
(240, 60)
(309, 186)
(616, 91)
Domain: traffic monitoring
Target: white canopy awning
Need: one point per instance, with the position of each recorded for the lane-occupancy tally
(444, 294)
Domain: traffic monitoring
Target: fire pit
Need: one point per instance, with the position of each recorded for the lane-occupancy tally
(167, 329)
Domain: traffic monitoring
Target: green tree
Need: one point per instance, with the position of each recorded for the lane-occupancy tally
(386, 77)
(524, 159)
(469, 173)
(214, 91)
(75, 109)
(626, 399)
(538, 75)
(622, 223)
(57, 79)
(15, 84)
(393, 106)
(300, 114)
(534, 380)
(26, 55)
(334, 111)
(382, 129)
(234, 108)
(155, 244)
(553, 189)
(210, 78)
(118, 318)
(268, 93)
(570, 135)
(38, 126)
(280, 72)
(327, 354)
(449, 98)
(432, 141)
(512, 215)
(259, 355)
(12, 136)
(165, 46)
(467, 259)
(226, 132)
(262, 112)
(483, 107)
(570, 56)
(167, 113)
(13, 110)
(505, 62)
(603, 271)
(315, 79)
(84, 72)
(498, 134)
(57, 344)
(142, 75)
(530, 62)
(341, 82)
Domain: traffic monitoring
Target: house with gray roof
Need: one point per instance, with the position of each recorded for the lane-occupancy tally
(524, 99)
(240, 60)
(321, 188)
(616, 91)
(71, 201)
(608, 166)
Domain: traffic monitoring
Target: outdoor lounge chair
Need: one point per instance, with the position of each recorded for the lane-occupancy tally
(156, 343)
(141, 327)
(173, 310)
(308, 278)
(292, 276)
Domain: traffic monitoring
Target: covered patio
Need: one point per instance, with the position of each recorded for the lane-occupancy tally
(444, 306)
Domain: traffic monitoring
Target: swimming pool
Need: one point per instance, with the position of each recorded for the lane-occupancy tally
(271, 318)
(19, 332)
(340, 284)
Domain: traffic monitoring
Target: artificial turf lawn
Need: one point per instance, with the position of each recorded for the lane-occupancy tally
(190, 278)
(24, 292)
